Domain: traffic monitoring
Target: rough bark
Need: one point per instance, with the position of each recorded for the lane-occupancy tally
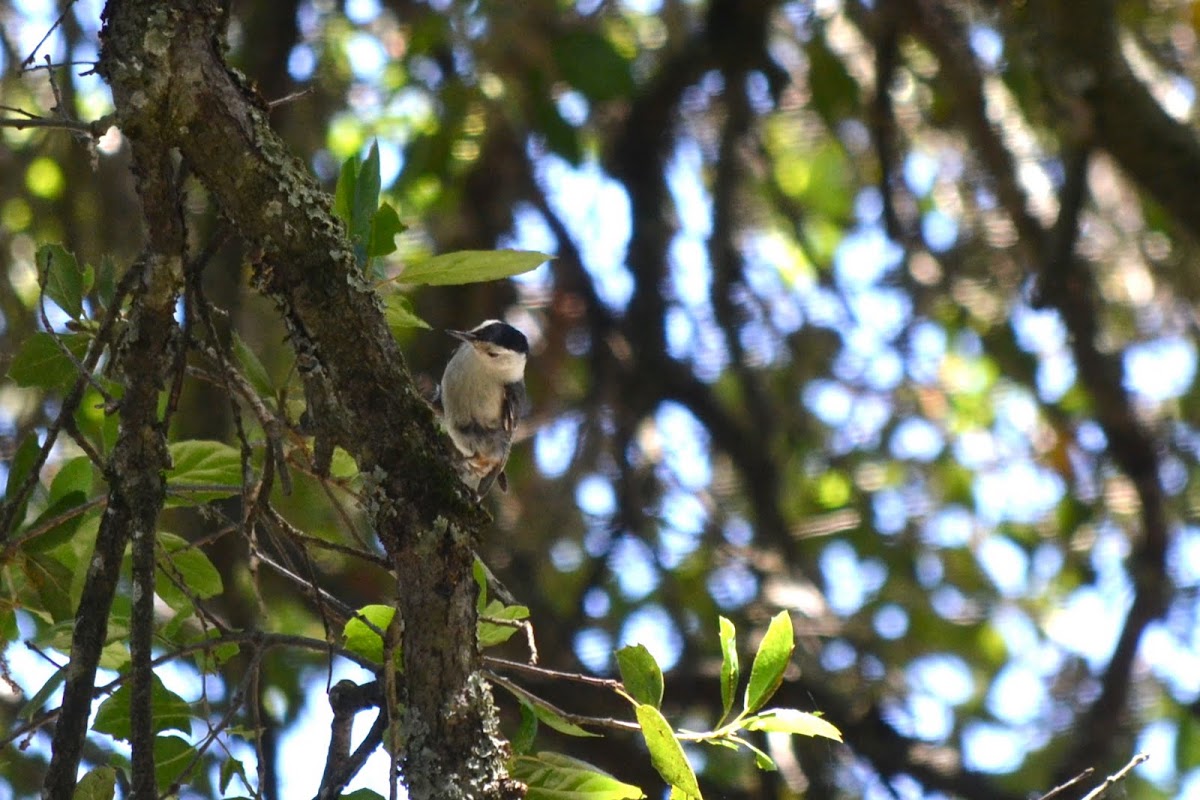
(358, 390)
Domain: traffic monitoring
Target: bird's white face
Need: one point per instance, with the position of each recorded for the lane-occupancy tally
(508, 365)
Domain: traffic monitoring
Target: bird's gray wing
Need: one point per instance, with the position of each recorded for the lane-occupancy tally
(515, 406)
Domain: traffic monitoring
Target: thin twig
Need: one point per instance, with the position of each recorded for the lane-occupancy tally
(575, 719)
(1062, 787)
(554, 674)
(33, 53)
(95, 128)
(43, 655)
(47, 525)
(313, 541)
(59, 65)
(1116, 777)
(288, 98)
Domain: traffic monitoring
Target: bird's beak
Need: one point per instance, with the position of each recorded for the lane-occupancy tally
(465, 336)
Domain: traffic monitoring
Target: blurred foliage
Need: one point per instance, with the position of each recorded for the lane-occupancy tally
(794, 353)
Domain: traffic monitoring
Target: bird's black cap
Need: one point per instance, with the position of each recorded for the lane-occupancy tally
(496, 332)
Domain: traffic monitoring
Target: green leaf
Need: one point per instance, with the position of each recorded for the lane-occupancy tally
(106, 281)
(61, 533)
(366, 198)
(835, 94)
(18, 470)
(790, 720)
(397, 309)
(356, 200)
(343, 194)
(114, 656)
(666, 754)
(73, 477)
(490, 634)
(231, 767)
(211, 659)
(172, 758)
(170, 712)
(360, 638)
(641, 674)
(522, 740)
(35, 703)
(52, 582)
(200, 468)
(552, 776)
(561, 137)
(471, 266)
(772, 658)
(99, 784)
(546, 713)
(589, 62)
(255, 372)
(479, 572)
(761, 759)
(384, 227)
(40, 361)
(363, 794)
(729, 665)
(190, 566)
(62, 279)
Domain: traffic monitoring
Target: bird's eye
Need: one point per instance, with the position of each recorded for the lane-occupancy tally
(493, 355)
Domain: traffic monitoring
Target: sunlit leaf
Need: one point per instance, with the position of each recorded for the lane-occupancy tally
(471, 266)
(770, 662)
(359, 637)
(552, 776)
(203, 471)
(729, 665)
(666, 754)
(761, 759)
(790, 720)
(397, 309)
(641, 674)
(491, 634)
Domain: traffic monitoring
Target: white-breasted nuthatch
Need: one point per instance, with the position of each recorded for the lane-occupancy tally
(481, 397)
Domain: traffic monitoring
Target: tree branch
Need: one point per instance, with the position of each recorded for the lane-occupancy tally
(359, 393)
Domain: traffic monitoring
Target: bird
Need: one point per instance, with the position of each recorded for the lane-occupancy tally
(480, 399)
